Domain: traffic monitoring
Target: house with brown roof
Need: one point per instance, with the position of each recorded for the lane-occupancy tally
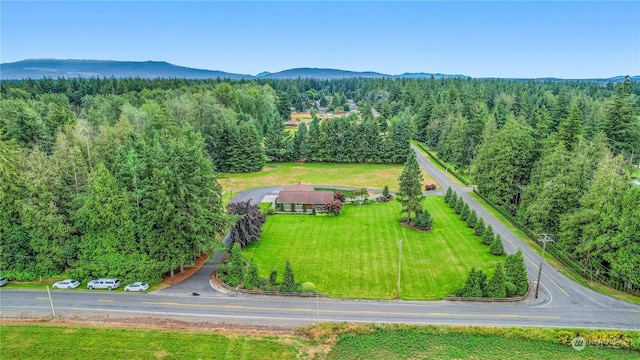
(302, 198)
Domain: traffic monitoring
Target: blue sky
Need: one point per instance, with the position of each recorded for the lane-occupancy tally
(480, 39)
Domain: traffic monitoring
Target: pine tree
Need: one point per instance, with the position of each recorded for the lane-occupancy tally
(251, 277)
(497, 248)
(447, 196)
(479, 229)
(496, 287)
(410, 193)
(385, 191)
(289, 284)
(459, 205)
(472, 288)
(422, 220)
(571, 128)
(453, 199)
(488, 235)
(464, 214)
(505, 164)
(235, 268)
(621, 122)
(516, 272)
(472, 220)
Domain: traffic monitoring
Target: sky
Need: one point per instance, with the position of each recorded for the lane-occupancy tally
(595, 39)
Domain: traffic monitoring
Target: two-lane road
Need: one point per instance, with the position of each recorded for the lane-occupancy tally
(277, 311)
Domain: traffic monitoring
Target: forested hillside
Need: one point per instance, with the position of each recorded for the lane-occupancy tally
(118, 176)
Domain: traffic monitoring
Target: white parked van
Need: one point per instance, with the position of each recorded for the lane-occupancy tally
(108, 284)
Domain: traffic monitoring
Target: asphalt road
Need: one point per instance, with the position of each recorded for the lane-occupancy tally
(561, 303)
(279, 311)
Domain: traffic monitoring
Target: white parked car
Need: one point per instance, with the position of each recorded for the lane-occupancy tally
(108, 284)
(3, 281)
(137, 286)
(66, 284)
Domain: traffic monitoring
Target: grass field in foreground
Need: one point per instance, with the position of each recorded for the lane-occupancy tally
(355, 255)
(438, 343)
(52, 342)
(343, 341)
(373, 176)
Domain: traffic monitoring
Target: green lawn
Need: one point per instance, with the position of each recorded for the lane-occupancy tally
(355, 255)
(52, 342)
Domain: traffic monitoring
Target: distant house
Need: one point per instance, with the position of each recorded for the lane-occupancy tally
(291, 122)
(302, 198)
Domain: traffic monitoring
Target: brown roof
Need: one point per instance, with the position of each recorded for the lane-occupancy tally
(305, 197)
(298, 187)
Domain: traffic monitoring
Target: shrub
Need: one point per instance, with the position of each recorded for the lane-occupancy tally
(510, 289)
(313, 211)
(334, 207)
(339, 196)
(281, 207)
(308, 287)
(385, 191)
(292, 207)
(422, 220)
(273, 277)
(497, 248)
(271, 211)
(383, 198)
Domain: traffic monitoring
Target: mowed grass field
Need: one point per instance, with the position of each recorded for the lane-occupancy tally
(372, 176)
(53, 342)
(355, 255)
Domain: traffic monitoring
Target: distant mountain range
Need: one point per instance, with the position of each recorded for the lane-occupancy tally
(53, 68)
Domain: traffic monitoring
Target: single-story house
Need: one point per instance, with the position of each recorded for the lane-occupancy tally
(302, 198)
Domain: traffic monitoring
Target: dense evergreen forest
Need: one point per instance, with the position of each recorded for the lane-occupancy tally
(118, 177)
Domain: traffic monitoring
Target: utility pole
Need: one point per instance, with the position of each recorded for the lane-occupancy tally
(51, 302)
(317, 310)
(399, 266)
(544, 239)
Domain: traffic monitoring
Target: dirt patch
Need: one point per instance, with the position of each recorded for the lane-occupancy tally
(188, 271)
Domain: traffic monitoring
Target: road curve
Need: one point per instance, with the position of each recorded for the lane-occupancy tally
(560, 291)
